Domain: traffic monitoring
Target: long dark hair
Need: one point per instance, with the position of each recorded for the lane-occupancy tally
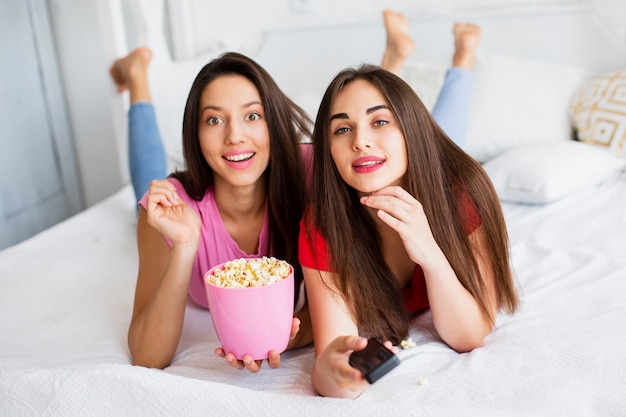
(284, 177)
(440, 175)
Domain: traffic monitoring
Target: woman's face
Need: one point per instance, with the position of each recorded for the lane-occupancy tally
(233, 131)
(366, 142)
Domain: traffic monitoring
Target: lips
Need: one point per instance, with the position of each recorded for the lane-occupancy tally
(367, 164)
(239, 159)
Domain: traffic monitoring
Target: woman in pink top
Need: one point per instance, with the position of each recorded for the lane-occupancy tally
(242, 195)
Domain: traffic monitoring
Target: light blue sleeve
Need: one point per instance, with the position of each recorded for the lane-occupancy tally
(146, 154)
(452, 107)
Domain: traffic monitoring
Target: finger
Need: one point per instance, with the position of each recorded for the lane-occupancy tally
(295, 328)
(220, 352)
(392, 204)
(348, 344)
(395, 192)
(160, 199)
(251, 365)
(164, 188)
(273, 360)
(232, 361)
(349, 373)
(390, 220)
(390, 346)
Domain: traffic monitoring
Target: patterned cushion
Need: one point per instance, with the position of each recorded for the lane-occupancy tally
(598, 112)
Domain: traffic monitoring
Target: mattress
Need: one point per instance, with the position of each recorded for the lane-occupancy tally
(67, 296)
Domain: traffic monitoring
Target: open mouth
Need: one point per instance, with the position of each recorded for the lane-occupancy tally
(367, 164)
(240, 157)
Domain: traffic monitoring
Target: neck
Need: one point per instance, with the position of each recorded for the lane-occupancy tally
(237, 202)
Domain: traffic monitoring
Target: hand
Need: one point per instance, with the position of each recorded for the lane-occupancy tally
(168, 214)
(250, 364)
(333, 367)
(403, 213)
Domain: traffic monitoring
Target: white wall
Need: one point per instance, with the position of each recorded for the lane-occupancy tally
(237, 27)
(89, 36)
(86, 47)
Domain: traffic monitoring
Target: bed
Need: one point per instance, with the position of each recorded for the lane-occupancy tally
(66, 298)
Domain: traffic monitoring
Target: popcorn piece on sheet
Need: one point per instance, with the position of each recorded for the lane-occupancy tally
(244, 273)
(407, 343)
(422, 381)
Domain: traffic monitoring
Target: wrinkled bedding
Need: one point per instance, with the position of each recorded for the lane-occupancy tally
(67, 296)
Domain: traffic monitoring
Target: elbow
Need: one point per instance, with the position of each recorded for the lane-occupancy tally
(466, 346)
(148, 363)
(145, 355)
(467, 342)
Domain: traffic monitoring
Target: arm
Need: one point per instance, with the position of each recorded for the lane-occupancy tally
(335, 334)
(163, 278)
(304, 334)
(456, 314)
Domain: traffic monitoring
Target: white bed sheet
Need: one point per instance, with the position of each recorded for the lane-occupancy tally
(66, 299)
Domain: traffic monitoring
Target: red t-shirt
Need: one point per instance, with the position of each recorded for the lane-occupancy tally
(415, 295)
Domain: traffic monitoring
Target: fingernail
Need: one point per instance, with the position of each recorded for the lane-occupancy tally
(247, 361)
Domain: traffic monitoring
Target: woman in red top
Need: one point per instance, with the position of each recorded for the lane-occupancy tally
(400, 217)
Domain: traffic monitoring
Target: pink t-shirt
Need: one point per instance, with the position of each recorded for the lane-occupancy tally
(216, 245)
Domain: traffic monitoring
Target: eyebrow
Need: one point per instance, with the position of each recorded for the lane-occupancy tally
(368, 111)
(246, 105)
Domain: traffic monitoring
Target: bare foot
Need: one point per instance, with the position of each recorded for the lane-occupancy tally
(466, 40)
(131, 69)
(399, 43)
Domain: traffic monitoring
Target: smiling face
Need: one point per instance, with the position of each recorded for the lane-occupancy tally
(232, 131)
(366, 143)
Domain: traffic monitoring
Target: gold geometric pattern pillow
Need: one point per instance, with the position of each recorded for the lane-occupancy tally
(598, 112)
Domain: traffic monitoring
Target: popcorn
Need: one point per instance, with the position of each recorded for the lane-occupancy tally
(407, 343)
(244, 273)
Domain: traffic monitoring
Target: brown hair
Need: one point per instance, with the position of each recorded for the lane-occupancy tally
(284, 177)
(438, 173)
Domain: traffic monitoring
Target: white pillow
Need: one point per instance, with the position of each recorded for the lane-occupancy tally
(541, 173)
(517, 100)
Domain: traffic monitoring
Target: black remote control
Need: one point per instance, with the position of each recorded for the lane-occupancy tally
(374, 361)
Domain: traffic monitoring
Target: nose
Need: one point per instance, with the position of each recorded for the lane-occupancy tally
(234, 132)
(361, 140)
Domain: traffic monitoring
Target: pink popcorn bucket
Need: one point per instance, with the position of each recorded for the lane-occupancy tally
(253, 320)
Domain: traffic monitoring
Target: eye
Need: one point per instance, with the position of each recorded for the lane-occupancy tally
(341, 130)
(214, 121)
(253, 117)
(380, 123)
